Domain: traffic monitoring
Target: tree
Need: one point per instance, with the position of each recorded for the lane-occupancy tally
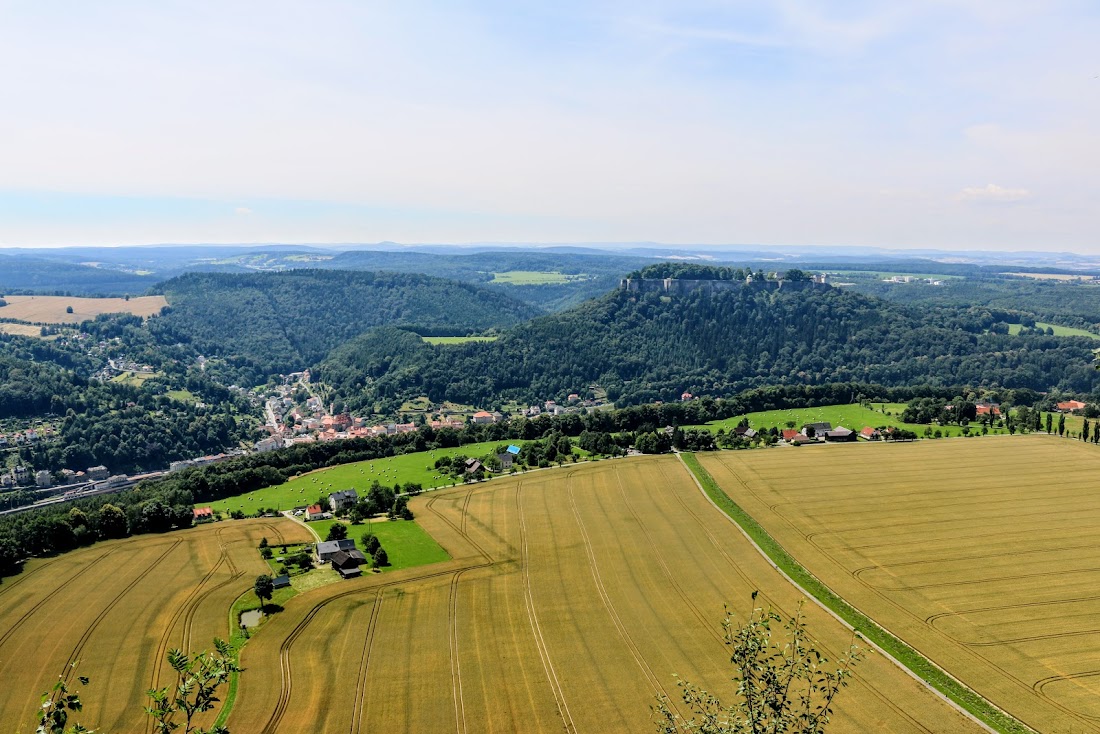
(264, 589)
(381, 558)
(68, 309)
(1061, 424)
(263, 542)
(57, 703)
(112, 522)
(198, 679)
(338, 531)
(784, 685)
(1050, 421)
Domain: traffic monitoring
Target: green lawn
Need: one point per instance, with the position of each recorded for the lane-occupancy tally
(533, 277)
(134, 379)
(457, 339)
(406, 543)
(853, 416)
(306, 489)
(1058, 330)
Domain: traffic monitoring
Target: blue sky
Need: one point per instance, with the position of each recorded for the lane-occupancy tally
(970, 124)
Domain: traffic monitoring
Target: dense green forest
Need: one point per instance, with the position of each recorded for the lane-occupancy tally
(646, 347)
(267, 323)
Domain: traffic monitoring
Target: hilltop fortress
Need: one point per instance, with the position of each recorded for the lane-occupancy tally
(680, 287)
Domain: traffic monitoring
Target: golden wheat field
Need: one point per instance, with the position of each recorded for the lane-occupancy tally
(52, 309)
(115, 609)
(573, 596)
(981, 553)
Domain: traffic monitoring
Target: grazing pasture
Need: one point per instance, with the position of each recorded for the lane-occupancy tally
(572, 596)
(52, 309)
(853, 416)
(980, 554)
(306, 489)
(116, 608)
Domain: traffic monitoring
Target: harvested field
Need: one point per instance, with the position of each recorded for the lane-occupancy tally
(980, 554)
(572, 597)
(52, 309)
(116, 608)
(20, 329)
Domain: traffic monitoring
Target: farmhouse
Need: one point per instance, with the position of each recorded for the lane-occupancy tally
(985, 408)
(326, 549)
(789, 434)
(343, 500)
(203, 514)
(346, 563)
(472, 466)
(1069, 406)
(870, 434)
(314, 512)
(482, 417)
(505, 460)
(816, 429)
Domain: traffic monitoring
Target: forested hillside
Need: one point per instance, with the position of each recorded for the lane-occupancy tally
(22, 273)
(649, 347)
(110, 423)
(583, 275)
(281, 322)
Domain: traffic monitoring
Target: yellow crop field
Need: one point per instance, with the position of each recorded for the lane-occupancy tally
(572, 597)
(116, 608)
(53, 309)
(980, 554)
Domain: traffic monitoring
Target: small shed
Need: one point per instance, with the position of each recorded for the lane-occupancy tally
(280, 582)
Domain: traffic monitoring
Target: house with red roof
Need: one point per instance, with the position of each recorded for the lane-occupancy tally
(203, 514)
(1069, 406)
(870, 434)
(314, 512)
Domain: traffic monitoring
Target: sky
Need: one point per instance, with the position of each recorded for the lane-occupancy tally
(972, 124)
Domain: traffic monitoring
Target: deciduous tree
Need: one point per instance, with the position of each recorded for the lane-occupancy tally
(785, 685)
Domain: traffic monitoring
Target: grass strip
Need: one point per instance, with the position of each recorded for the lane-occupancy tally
(906, 655)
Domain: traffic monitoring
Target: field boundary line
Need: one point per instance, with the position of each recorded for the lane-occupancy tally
(946, 687)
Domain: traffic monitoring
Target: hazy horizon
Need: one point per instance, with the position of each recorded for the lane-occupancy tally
(921, 125)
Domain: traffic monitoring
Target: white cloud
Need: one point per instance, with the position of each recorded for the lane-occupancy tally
(243, 211)
(993, 193)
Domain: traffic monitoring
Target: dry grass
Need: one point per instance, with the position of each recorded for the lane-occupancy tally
(980, 554)
(116, 608)
(20, 329)
(573, 595)
(52, 309)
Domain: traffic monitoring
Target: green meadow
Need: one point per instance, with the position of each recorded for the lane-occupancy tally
(306, 489)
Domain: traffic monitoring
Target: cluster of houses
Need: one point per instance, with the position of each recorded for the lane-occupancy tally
(912, 279)
(823, 431)
(29, 436)
(19, 476)
(573, 405)
(343, 556)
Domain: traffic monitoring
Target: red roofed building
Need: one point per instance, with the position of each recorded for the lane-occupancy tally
(686, 396)
(483, 417)
(314, 512)
(203, 514)
(987, 409)
(790, 434)
(870, 434)
(1069, 406)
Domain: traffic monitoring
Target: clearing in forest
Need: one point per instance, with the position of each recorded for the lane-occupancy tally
(980, 554)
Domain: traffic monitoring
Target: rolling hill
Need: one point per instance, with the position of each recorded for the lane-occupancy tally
(265, 323)
(646, 346)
